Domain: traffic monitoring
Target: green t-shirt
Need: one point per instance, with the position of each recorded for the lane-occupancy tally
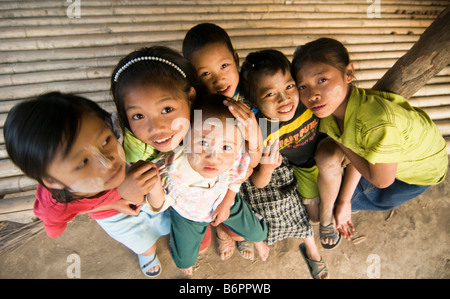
(136, 150)
(383, 127)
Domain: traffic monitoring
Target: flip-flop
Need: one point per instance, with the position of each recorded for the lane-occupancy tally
(148, 262)
(243, 246)
(315, 268)
(329, 232)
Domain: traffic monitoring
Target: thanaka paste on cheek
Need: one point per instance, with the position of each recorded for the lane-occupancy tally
(194, 159)
(336, 93)
(89, 185)
(104, 161)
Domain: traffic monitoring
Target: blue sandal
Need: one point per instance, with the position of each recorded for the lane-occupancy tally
(148, 262)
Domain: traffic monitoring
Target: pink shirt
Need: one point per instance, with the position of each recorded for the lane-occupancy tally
(55, 215)
(194, 197)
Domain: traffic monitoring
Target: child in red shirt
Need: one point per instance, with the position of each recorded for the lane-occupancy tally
(67, 143)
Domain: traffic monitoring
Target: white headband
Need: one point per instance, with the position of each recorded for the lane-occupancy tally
(124, 67)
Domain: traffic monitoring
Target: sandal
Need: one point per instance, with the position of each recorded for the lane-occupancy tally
(244, 246)
(329, 232)
(148, 262)
(315, 268)
(224, 246)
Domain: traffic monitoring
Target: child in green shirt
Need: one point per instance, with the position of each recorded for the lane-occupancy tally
(396, 151)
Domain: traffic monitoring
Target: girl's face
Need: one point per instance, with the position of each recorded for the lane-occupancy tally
(276, 95)
(159, 117)
(214, 146)
(323, 88)
(217, 69)
(95, 162)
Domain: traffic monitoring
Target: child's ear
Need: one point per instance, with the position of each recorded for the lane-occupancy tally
(192, 95)
(236, 58)
(52, 184)
(349, 73)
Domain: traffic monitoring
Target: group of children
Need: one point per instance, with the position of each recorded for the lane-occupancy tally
(258, 152)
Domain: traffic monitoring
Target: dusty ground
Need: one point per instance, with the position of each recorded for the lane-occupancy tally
(412, 242)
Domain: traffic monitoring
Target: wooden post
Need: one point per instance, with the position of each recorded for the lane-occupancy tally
(429, 55)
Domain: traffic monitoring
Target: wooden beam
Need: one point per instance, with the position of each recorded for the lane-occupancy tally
(429, 55)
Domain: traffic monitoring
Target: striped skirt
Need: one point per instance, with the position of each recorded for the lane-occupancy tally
(280, 205)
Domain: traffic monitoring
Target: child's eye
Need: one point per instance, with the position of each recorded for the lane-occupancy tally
(166, 110)
(322, 80)
(227, 148)
(107, 140)
(204, 74)
(224, 65)
(82, 164)
(301, 87)
(137, 116)
(203, 143)
(290, 86)
(270, 94)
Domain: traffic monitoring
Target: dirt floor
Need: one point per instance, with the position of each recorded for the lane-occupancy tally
(413, 241)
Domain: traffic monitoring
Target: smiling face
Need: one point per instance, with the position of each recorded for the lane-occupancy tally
(217, 68)
(158, 116)
(95, 162)
(323, 88)
(276, 95)
(214, 146)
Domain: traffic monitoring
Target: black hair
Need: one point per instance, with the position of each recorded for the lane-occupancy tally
(35, 130)
(203, 34)
(212, 105)
(323, 50)
(260, 63)
(152, 72)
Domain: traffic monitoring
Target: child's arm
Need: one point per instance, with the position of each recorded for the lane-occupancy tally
(271, 159)
(156, 197)
(122, 205)
(382, 175)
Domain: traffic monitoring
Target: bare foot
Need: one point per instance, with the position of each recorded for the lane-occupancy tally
(187, 271)
(153, 270)
(225, 244)
(263, 250)
(246, 249)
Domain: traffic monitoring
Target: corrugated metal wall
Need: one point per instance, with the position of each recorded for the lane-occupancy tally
(72, 46)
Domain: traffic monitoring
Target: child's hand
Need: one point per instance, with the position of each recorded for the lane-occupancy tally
(271, 157)
(220, 214)
(140, 179)
(126, 207)
(247, 124)
(343, 216)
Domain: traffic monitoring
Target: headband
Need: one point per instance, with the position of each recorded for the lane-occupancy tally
(125, 66)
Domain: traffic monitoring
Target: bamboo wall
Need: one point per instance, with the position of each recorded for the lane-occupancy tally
(49, 46)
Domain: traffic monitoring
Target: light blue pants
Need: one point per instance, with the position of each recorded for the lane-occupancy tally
(140, 232)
